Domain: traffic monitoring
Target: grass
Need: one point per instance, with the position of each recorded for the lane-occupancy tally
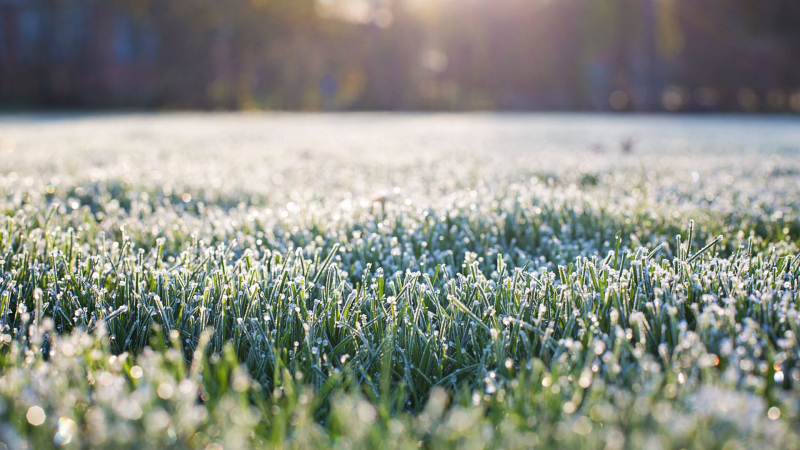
(171, 295)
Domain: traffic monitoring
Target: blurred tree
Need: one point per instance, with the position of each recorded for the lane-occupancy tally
(402, 54)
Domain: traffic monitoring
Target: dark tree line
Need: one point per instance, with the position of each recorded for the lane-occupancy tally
(402, 54)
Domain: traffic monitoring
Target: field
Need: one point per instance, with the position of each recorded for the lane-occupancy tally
(399, 281)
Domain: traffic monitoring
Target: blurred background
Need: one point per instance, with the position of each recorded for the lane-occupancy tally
(625, 55)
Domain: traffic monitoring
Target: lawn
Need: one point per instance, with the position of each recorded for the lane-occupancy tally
(378, 281)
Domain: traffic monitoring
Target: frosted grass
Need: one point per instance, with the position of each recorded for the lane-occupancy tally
(387, 281)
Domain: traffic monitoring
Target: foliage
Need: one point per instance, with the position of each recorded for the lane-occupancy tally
(503, 307)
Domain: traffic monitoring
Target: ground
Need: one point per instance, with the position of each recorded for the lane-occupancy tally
(396, 281)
